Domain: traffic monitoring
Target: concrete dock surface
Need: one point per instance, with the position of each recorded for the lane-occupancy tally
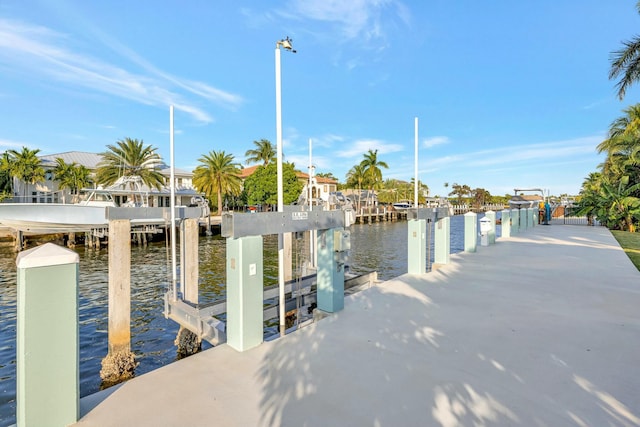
(540, 329)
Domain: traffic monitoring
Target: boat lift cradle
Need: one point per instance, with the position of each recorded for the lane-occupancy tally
(199, 318)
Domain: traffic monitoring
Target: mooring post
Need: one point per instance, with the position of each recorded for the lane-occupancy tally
(533, 217)
(522, 220)
(515, 221)
(119, 363)
(186, 341)
(244, 292)
(442, 242)
(191, 275)
(19, 242)
(492, 233)
(330, 279)
(47, 359)
(470, 232)
(506, 223)
(417, 246)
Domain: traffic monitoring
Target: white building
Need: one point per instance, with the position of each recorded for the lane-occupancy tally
(48, 191)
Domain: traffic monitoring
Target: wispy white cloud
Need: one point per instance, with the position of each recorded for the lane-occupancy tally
(41, 52)
(10, 145)
(557, 152)
(360, 147)
(361, 19)
(435, 140)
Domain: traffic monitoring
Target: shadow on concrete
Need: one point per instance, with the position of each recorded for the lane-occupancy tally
(489, 344)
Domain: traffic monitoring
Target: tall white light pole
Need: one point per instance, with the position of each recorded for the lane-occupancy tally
(172, 206)
(415, 169)
(286, 44)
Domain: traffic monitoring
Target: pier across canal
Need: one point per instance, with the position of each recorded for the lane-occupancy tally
(542, 328)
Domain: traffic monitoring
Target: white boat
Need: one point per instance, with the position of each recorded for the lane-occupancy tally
(402, 205)
(521, 201)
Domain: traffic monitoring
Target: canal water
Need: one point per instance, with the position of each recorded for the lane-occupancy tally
(379, 246)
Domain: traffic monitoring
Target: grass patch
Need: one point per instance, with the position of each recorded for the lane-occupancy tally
(630, 242)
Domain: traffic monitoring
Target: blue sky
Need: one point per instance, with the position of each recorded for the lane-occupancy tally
(508, 93)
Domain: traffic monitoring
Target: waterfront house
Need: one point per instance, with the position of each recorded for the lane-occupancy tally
(48, 190)
(321, 187)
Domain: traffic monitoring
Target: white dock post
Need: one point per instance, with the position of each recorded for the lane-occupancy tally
(48, 389)
(524, 223)
(417, 246)
(330, 271)
(506, 223)
(492, 233)
(533, 217)
(244, 292)
(470, 232)
(442, 241)
(515, 221)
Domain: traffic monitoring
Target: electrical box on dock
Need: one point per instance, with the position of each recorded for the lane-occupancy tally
(341, 240)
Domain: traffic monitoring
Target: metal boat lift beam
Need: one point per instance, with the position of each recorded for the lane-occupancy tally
(152, 214)
(260, 224)
(430, 214)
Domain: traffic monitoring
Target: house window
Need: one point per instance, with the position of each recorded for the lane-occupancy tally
(48, 175)
(326, 188)
(34, 197)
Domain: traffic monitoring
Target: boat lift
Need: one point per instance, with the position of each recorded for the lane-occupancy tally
(244, 324)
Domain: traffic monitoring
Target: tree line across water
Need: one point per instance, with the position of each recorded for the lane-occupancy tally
(218, 176)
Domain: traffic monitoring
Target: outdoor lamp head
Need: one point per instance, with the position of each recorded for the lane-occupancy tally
(286, 43)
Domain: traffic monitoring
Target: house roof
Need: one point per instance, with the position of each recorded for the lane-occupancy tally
(319, 179)
(88, 160)
(248, 171)
(91, 161)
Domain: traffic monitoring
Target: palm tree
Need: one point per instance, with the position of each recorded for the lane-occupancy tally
(71, 176)
(26, 167)
(217, 175)
(460, 191)
(130, 158)
(356, 178)
(372, 171)
(626, 63)
(423, 190)
(6, 179)
(622, 146)
(590, 203)
(264, 152)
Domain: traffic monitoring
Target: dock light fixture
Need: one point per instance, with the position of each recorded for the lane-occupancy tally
(285, 44)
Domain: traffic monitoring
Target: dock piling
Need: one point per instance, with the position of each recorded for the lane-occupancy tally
(506, 223)
(48, 389)
(470, 232)
(417, 246)
(442, 241)
(330, 284)
(119, 363)
(244, 292)
(187, 342)
(492, 232)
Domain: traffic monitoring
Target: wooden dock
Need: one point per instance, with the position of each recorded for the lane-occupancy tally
(378, 214)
